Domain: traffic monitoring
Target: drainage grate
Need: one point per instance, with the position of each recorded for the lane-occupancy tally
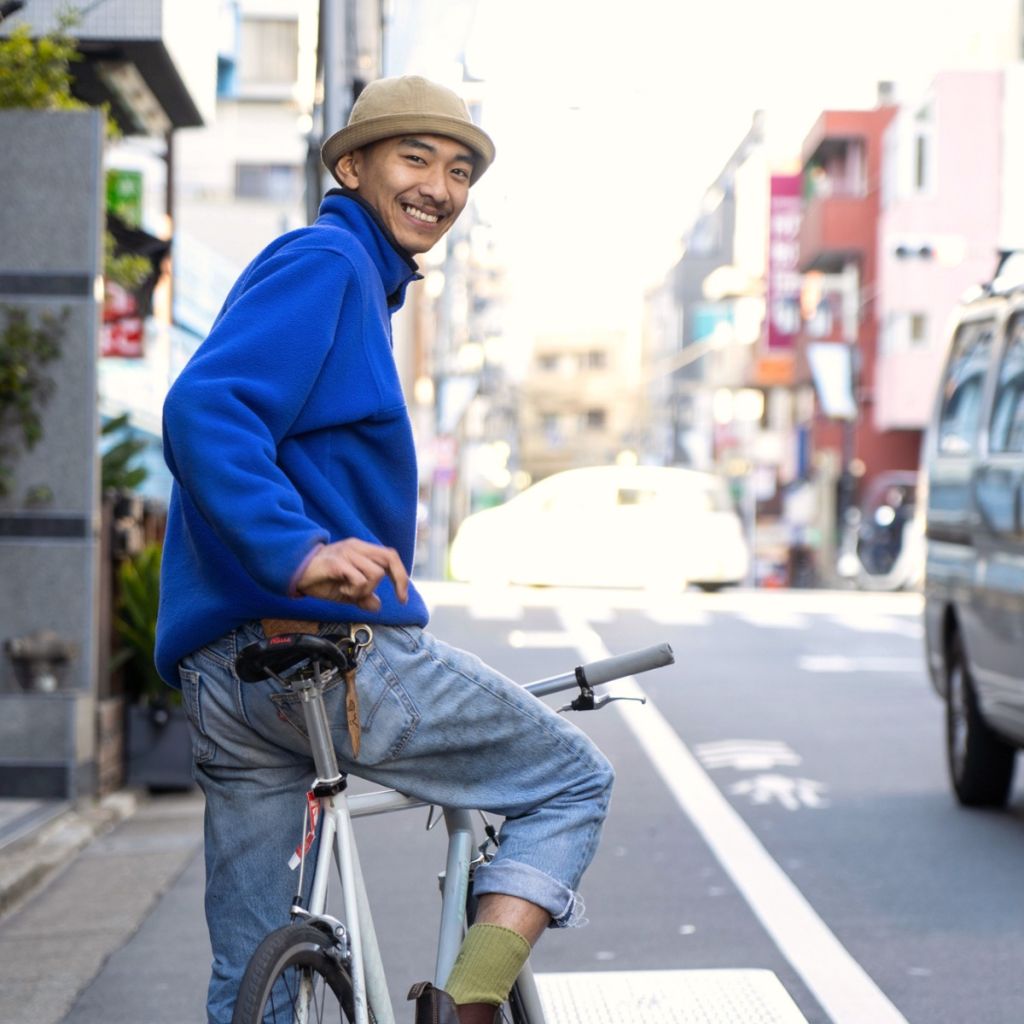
(667, 997)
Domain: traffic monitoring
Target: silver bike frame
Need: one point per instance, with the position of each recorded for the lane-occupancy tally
(337, 841)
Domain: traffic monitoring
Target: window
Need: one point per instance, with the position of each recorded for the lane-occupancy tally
(705, 236)
(278, 182)
(548, 363)
(961, 390)
(551, 426)
(269, 51)
(918, 328)
(595, 419)
(921, 175)
(594, 360)
(921, 162)
(1006, 433)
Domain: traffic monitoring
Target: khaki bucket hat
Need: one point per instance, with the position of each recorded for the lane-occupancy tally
(408, 105)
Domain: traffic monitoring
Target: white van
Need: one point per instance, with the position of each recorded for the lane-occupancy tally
(608, 526)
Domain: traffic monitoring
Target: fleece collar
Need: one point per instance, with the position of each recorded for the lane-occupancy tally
(343, 208)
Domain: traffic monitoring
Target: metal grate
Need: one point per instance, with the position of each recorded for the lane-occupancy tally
(667, 997)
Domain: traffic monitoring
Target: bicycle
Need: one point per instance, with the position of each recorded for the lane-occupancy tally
(319, 967)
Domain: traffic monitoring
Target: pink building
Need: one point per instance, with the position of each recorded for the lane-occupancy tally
(948, 205)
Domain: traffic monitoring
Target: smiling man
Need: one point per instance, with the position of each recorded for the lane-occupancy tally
(294, 510)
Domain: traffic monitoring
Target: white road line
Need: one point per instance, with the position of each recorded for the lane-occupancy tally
(837, 981)
(767, 617)
(540, 638)
(668, 613)
(844, 663)
(880, 624)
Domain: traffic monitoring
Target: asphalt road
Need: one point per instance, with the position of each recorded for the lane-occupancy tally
(781, 803)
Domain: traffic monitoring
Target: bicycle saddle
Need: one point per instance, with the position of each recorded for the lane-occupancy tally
(286, 651)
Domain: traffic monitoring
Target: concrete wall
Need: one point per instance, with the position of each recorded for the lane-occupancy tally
(50, 262)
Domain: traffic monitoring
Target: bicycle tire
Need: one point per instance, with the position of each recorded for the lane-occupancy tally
(288, 957)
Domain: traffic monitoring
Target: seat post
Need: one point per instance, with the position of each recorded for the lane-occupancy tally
(318, 727)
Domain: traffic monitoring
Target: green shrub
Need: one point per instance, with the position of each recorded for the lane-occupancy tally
(135, 622)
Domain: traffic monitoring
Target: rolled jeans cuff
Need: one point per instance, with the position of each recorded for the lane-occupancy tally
(514, 878)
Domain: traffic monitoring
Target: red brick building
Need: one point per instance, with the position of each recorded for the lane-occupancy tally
(836, 350)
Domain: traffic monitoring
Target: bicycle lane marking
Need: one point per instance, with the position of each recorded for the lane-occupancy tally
(842, 987)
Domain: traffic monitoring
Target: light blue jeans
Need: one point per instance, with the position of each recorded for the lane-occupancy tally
(437, 724)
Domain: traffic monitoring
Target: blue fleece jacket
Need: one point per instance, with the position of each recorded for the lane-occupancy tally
(288, 429)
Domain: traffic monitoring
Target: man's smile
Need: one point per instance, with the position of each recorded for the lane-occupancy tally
(421, 215)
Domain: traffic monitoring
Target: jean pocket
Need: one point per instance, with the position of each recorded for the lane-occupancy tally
(203, 747)
(387, 714)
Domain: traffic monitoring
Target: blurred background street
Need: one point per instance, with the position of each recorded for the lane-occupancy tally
(727, 349)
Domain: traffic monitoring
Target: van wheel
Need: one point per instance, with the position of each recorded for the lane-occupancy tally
(980, 763)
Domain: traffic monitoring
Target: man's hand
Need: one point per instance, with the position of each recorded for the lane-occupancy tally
(349, 571)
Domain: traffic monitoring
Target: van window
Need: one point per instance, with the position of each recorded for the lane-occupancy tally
(1006, 433)
(961, 392)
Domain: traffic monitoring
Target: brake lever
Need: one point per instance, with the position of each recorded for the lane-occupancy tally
(586, 701)
(597, 703)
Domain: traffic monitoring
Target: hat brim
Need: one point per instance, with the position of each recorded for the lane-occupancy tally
(374, 129)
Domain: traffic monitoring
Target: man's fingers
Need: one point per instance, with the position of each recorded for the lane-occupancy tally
(389, 562)
(349, 571)
(399, 577)
(370, 603)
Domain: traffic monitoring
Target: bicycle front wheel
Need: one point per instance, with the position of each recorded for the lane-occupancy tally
(295, 977)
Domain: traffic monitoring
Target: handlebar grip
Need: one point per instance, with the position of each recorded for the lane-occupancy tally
(629, 664)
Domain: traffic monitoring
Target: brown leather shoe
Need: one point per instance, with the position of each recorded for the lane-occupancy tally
(433, 1005)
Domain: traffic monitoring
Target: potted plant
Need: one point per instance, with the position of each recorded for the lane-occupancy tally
(158, 745)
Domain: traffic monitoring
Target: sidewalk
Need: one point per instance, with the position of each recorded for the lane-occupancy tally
(38, 837)
(76, 883)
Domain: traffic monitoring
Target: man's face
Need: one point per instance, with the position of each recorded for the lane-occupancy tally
(418, 184)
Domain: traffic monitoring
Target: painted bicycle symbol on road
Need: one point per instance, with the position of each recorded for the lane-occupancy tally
(767, 786)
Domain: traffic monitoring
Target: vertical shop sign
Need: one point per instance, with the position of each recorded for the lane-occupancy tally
(784, 261)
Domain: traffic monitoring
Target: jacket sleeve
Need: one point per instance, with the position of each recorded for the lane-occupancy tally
(236, 400)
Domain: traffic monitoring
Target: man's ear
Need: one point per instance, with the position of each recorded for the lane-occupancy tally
(347, 170)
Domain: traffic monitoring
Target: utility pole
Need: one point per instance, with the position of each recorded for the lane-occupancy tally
(333, 95)
(339, 82)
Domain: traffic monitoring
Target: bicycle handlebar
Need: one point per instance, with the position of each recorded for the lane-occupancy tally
(603, 671)
(628, 664)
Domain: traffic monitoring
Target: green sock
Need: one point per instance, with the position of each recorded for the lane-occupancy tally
(487, 966)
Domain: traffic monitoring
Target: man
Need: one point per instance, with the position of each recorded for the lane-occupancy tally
(294, 508)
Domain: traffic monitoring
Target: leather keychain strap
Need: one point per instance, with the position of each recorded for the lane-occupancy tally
(355, 729)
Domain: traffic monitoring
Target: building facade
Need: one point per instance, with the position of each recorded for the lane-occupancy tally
(579, 401)
(950, 204)
(837, 346)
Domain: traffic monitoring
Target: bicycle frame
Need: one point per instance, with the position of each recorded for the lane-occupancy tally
(337, 841)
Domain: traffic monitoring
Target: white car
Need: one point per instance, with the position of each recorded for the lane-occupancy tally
(608, 526)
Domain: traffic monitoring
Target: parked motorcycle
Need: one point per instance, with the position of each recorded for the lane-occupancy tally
(881, 545)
